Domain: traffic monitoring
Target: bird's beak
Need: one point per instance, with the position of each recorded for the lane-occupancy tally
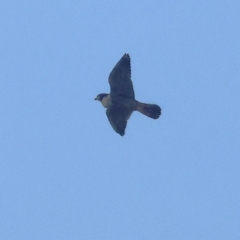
(95, 98)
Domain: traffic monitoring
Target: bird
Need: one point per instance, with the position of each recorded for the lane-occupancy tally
(121, 102)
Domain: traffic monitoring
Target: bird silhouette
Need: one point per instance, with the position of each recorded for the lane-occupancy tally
(120, 102)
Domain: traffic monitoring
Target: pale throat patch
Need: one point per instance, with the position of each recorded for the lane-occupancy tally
(106, 101)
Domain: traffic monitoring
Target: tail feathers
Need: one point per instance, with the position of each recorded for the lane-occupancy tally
(150, 110)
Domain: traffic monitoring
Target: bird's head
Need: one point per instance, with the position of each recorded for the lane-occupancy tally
(105, 99)
(100, 97)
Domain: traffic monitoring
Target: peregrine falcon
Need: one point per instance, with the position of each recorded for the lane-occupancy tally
(120, 102)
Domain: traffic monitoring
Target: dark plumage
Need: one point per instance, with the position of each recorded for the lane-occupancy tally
(120, 103)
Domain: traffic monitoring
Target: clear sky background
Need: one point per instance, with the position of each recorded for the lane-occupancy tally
(64, 172)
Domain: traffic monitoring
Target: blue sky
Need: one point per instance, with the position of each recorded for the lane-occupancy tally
(64, 172)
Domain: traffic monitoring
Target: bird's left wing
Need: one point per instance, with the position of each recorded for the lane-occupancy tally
(120, 79)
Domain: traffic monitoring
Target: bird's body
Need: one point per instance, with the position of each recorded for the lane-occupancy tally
(120, 103)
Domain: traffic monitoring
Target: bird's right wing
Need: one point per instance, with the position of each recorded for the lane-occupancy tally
(118, 117)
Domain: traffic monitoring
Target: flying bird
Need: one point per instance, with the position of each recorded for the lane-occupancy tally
(120, 102)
